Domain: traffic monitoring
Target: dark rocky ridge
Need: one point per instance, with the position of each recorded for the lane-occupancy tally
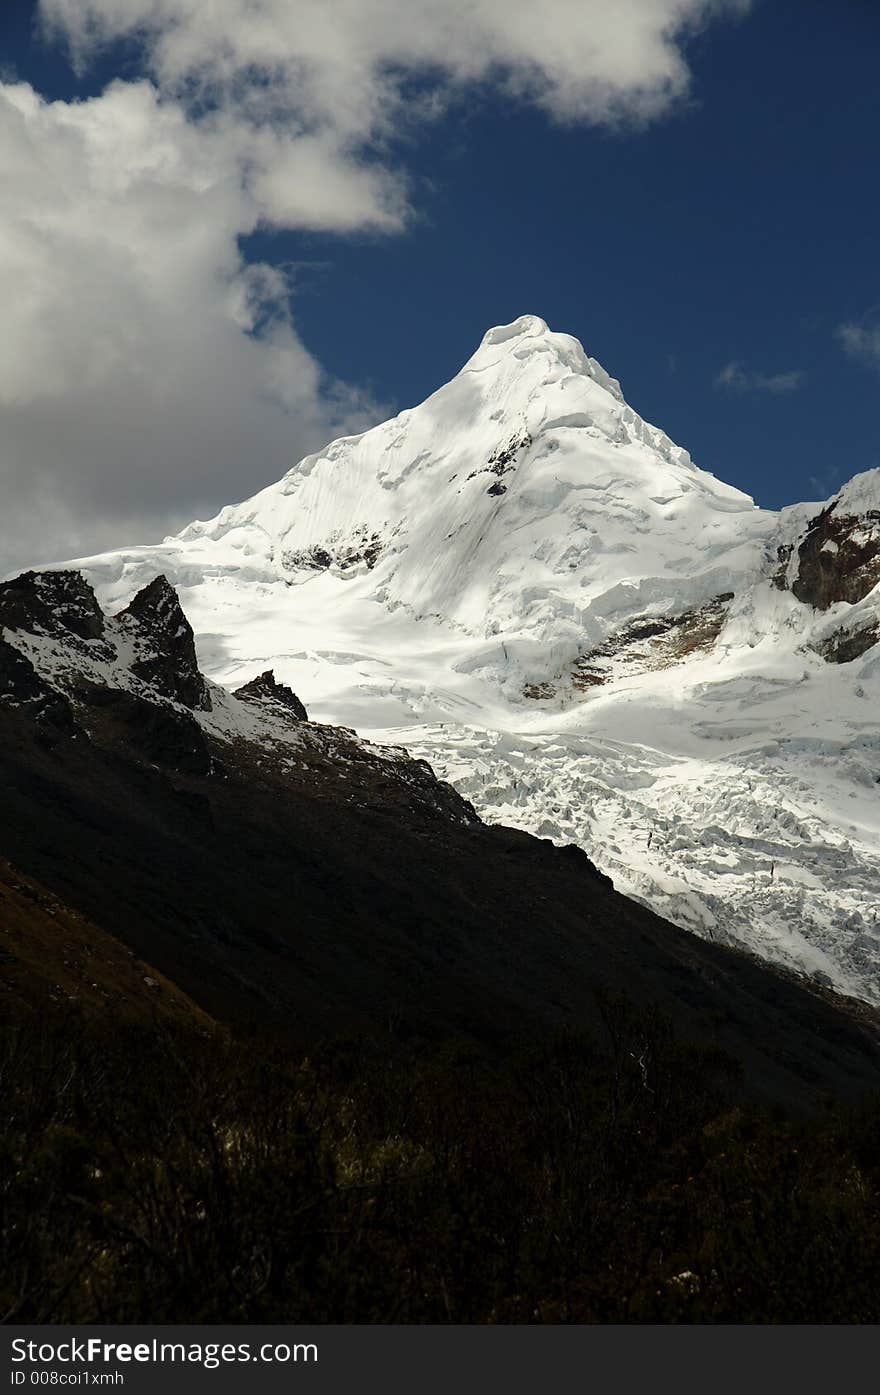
(60, 604)
(117, 719)
(275, 696)
(166, 645)
(22, 687)
(326, 887)
(19, 681)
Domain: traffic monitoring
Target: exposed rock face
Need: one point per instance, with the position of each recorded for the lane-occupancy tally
(783, 556)
(275, 696)
(21, 687)
(127, 696)
(839, 558)
(19, 681)
(652, 642)
(341, 553)
(164, 645)
(51, 603)
(503, 460)
(846, 645)
(166, 738)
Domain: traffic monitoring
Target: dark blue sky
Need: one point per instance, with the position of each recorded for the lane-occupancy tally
(741, 228)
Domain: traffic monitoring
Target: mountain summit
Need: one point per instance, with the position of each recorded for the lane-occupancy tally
(517, 507)
(591, 637)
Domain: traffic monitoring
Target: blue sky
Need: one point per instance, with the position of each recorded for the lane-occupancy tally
(719, 257)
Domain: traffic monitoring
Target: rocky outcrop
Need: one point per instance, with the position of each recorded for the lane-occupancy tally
(839, 557)
(844, 646)
(503, 460)
(22, 689)
(273, 696)
(653, 642)
(340, 553)
(165, 738)
(165, 651)
(19, 681)
(138, 695)
(61, 604)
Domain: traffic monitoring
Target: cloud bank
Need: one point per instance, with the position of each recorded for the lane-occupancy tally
(147, 372)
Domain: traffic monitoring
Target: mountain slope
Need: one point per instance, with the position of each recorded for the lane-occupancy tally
(53, 957)
(290, 876)
(595, 640)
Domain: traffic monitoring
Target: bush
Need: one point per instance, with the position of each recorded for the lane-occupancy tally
(152, 1175)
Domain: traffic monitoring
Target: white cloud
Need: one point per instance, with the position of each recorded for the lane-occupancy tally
(738, 379)
(146, 373)
(340, 62)
(133, 388)
(861, 342)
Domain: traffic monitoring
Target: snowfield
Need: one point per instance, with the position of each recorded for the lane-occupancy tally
(593, 639)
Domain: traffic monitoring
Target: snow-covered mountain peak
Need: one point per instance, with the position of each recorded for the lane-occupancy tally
(524, 499)
(595, 639)
(523, 386)
(524, 513)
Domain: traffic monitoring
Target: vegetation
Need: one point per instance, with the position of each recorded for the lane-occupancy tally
(151, 1174)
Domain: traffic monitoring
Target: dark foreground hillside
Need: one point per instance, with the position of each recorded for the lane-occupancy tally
(149, 1174)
